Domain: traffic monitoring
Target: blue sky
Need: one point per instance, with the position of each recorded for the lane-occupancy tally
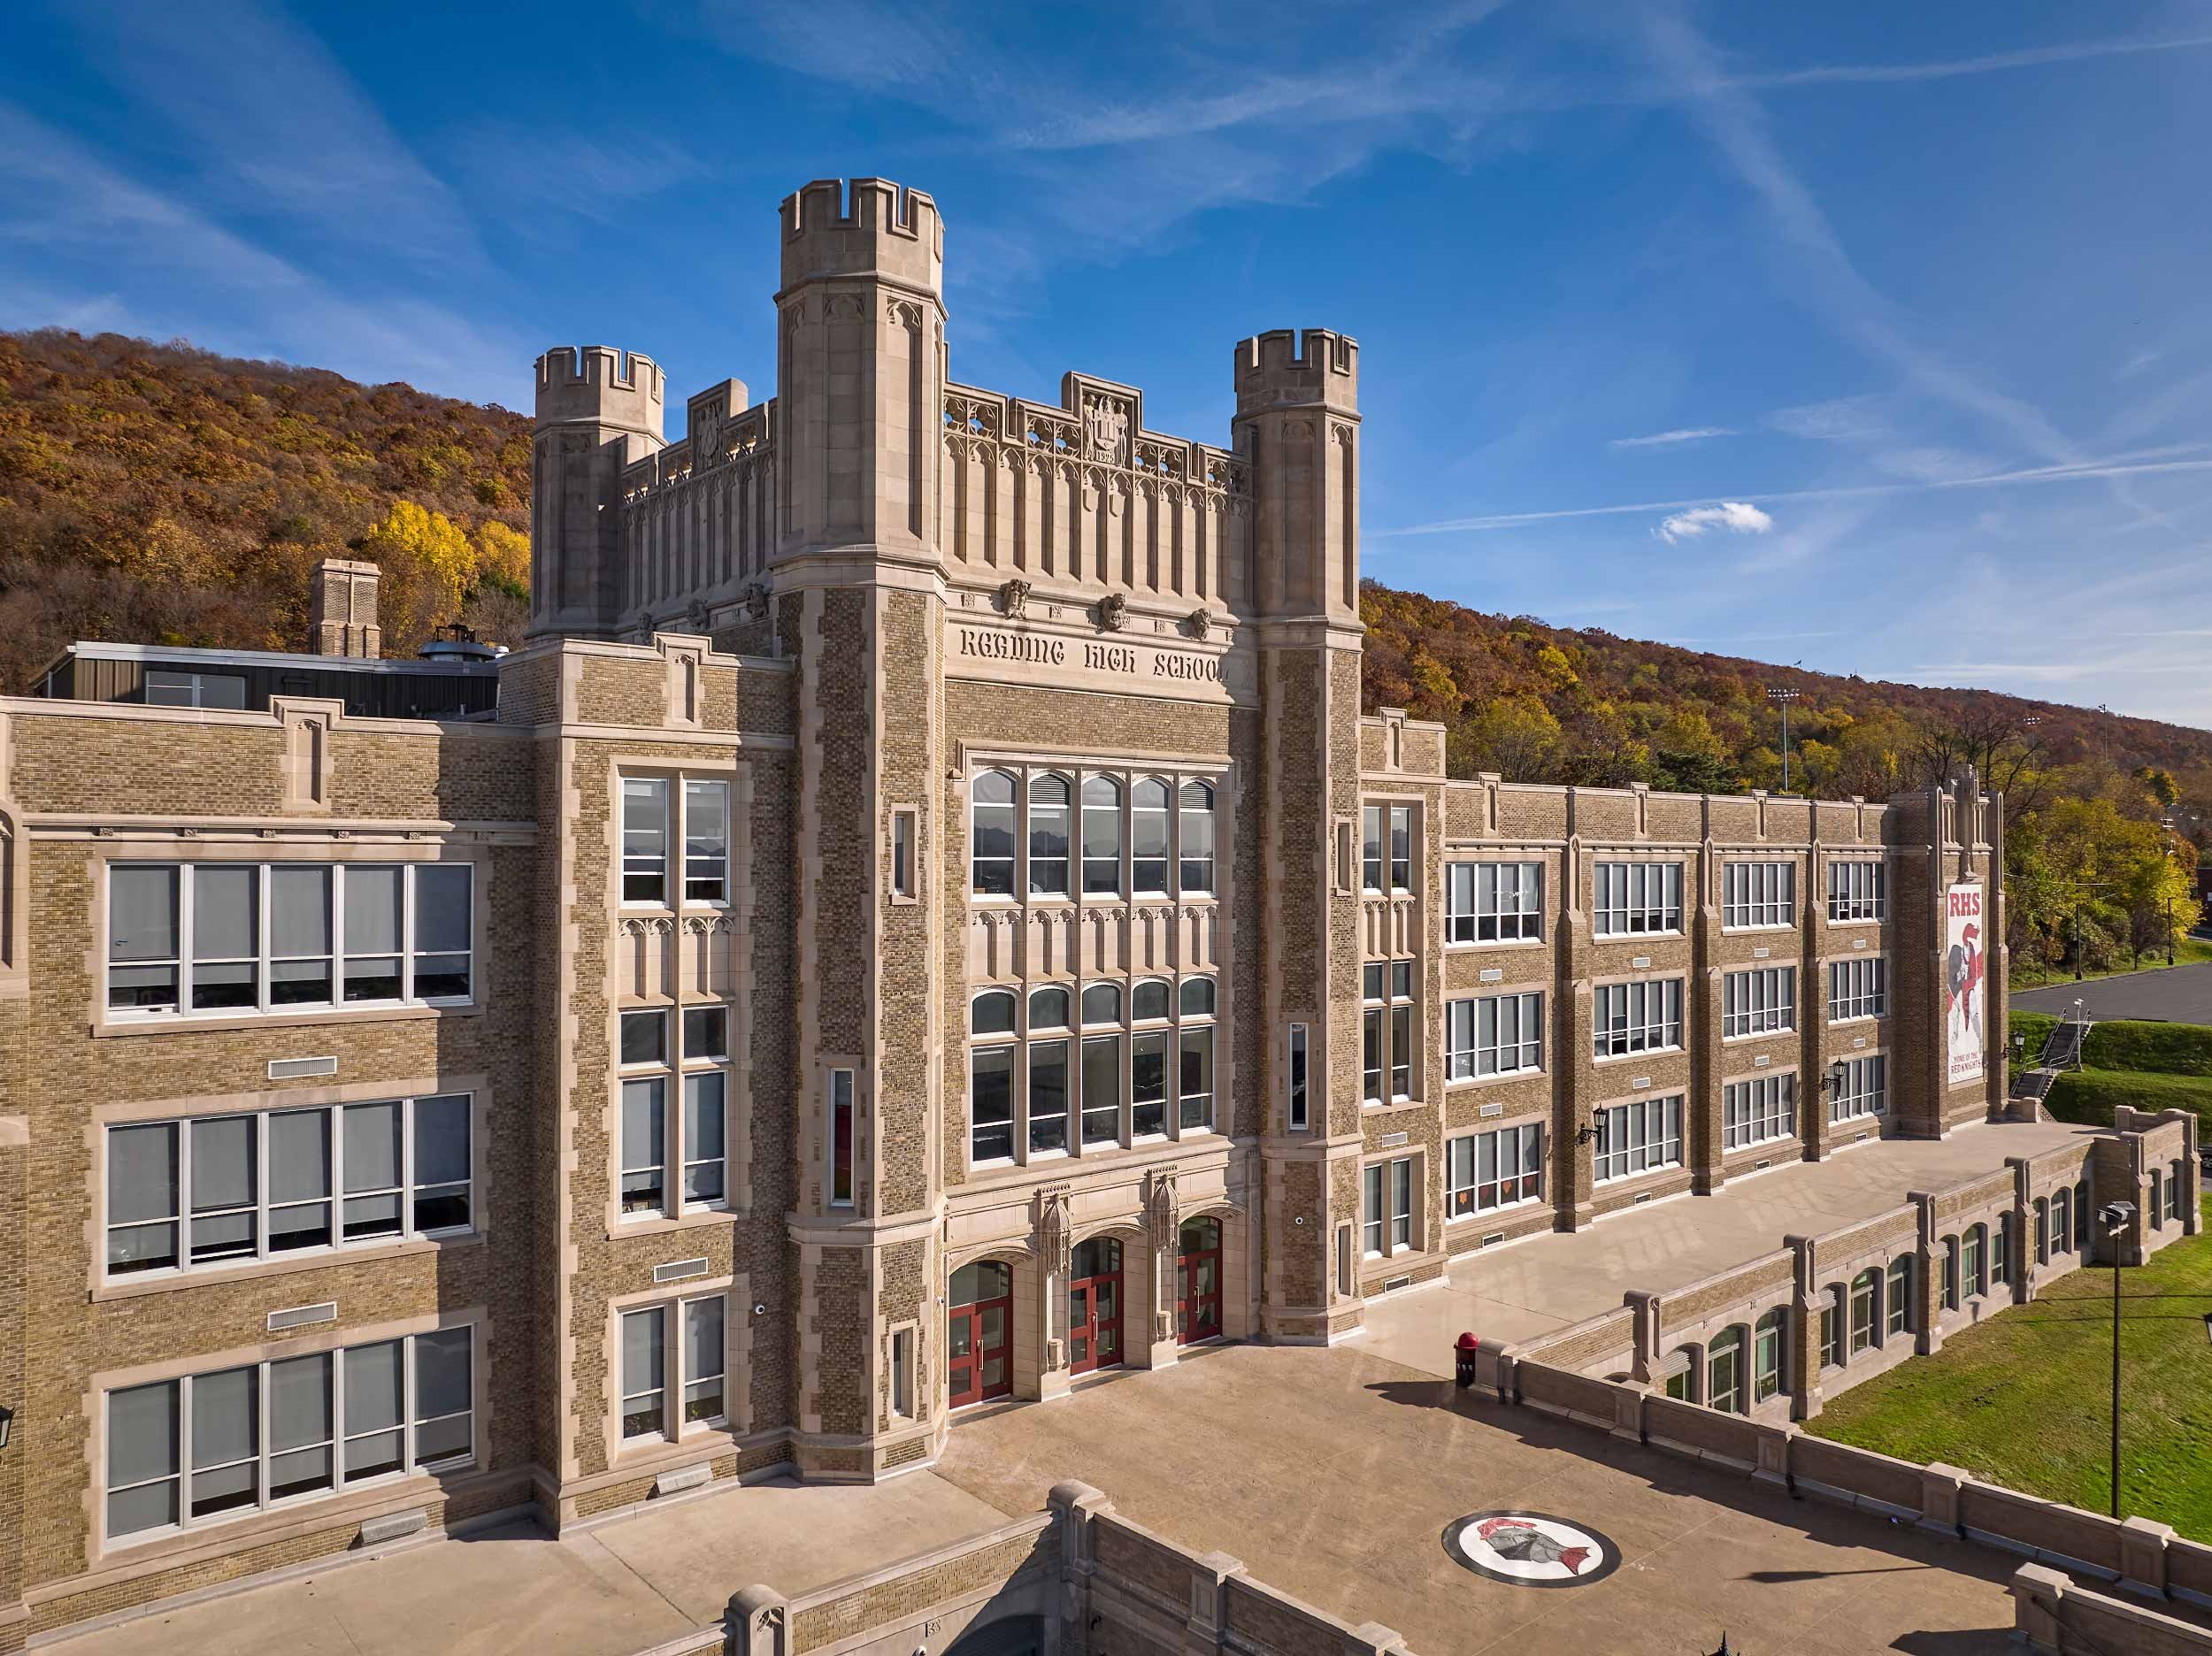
(1877, 336)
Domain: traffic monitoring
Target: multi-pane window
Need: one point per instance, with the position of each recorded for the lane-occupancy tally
(1899, 1299)
(1401, 1029)
(1051, 835)
(659, 1139)
(1374, 1235)
(1494, 1170)
(1858, 988)
(1387, 1051)
(1386, 847)
(1374, 1010)
(1101, 837)
(1762, 1001)
(217, 1190)
(704, 832)
(1298, 1105)
(1631, 899)
(1634, 1017)
(1050, 800)
(1865, 1089)
(1758, 895)
(1194, 848)
(1402, 1203)
(1495, 1035)
(232, 938)
(1970, 1255)
(674, 1364)
(1640, 1138)
(1046, 1076)
(1831, 1330)
(171, 687)
(1857, 889)
(1759, 1109)
(1998, 1271)
(1767, 1375)
(1866, 1295)
(188, 1452)
(1388, 1207)
(1493, 902)
(1724, 1369)
(1951, 1297)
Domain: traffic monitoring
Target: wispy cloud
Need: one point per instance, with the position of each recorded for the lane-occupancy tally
(1668, 439)
(531, 178)
(1730, 517)
(1990, 63)
(1839, 419)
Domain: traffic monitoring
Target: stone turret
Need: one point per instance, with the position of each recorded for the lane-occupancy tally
(860, 381)
(1297, 420)
(598, 409)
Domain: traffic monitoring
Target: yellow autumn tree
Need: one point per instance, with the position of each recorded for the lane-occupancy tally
(502, 558)
(429, 566)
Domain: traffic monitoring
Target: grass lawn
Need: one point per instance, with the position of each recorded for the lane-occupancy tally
(2188, 951)
(2037, 1027)
(2088, 1095)
(2023, 1400)
(2163, 1048)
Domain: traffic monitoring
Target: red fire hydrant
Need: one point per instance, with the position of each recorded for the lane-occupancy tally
(1464, 1359)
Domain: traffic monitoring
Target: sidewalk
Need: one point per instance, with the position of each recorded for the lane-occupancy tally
(625, 1587)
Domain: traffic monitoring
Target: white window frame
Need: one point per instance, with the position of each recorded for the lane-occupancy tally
(1758, 1001)
(1758, 895)
(1494, 902)
(674, 1070)
(1644, 1015)
(1858, 890)
(265, 1005)
(409, 1192)
(1858, 988)
(1864, 1094)
(1636, 899)
(1390, 1215)
(1644, 1137)
(1474, 1175)
(1471, 1053)
(692, 1066)
(409, 1427)
(1759, 1109)
(671, 1316)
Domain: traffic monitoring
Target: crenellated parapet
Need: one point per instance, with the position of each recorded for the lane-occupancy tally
(831, 229)
(600, 384)
(1295, 369)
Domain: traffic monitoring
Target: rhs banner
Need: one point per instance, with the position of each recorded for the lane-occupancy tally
(1965, 980)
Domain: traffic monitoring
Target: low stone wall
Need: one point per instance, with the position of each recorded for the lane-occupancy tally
(2143, 1555)
(1092, 1582)
(2053, 1614)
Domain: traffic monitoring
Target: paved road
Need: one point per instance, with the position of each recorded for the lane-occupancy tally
(2178, 995)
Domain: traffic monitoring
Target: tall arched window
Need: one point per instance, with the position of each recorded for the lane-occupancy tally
(991, 1077)
(1900, 1304)
(1832, 1328)
(1147, 835)
(2082, 1232)
(1950, 1273)
(1195, 1043)
(1767, 1375)
(2061, 1225)
(1149, 1059)
(1197, 852)
(1101, 837)
(1724, 1372)
(1866, 1297)
(1975, 1255)
(991, 857)
(1049, 802)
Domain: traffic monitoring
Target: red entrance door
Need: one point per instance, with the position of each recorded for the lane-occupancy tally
(1095, 1306)
(1198, 1282)
(980, 1323)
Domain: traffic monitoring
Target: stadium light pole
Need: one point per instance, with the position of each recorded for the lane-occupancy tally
(1784, 697)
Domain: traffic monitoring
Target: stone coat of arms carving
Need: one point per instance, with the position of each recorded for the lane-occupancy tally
(1106, 430)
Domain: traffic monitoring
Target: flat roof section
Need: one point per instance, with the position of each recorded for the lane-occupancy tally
(1556, 1279)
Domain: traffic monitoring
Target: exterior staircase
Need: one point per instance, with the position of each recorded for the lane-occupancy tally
(2060, 1051)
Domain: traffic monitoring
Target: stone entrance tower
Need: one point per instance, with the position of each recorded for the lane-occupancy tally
(1297, 421)
(858, 602)
(598, 410)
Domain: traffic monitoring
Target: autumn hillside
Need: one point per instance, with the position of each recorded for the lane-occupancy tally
(157, 494)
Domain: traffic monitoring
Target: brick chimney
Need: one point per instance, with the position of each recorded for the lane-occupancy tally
(341, 609)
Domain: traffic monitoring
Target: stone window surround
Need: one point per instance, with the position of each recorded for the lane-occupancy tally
(1828, 999)
(1424, 1182)
(1416, 806)
(1685, 857)
(320, 845)
(227, 1536)
(1656, 978)
(1680, 1090)
(1829, 859)
(1725, 858)
(1544, 856)
(736, 913)
(1075, 1033)
(1484, 992)
(673, 1067)
(1753, 969)
(1539, 1119)
(1826, 1097)
(736, 836)
(701, 1441)
(1075, 768)
(1415, 1004)
(1797, 1105)
(478, 1087)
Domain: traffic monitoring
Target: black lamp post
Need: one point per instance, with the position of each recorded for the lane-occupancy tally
(2115, 1216)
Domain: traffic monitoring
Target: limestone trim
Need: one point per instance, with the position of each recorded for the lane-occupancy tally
(306, 764)
(288, 831)
(223, 1536)
(624, 1458)
(134, 712)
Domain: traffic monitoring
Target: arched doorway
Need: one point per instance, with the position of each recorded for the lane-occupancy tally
(979, 1333)
(1198, 1282)
(1095, 1302)
(1009, 1635)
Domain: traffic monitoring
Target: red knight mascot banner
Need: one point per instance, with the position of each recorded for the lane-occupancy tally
(1965, 980)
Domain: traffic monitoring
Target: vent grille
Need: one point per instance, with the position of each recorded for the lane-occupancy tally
(293, 1068)
(1640, 961)
(1760, 1062)
(1858, 943)
(1641, 1199)
(1640, 1084)
(1760, 1166)
(1493, 1110)
(301, 1316)
(1396, 1283)
(1494, 974)
(1391, 1141)
(1494, 1237)
(676, 1270)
